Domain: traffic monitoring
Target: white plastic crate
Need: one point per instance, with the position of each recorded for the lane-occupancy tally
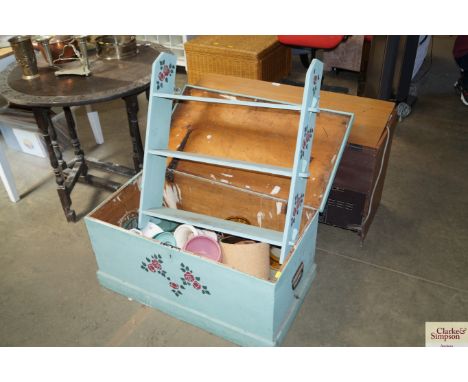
(173, 42)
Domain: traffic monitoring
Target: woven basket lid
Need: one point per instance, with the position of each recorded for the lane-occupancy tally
(252, 47)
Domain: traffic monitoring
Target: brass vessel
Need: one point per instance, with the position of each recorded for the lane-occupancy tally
(116, 47)
(25, 56)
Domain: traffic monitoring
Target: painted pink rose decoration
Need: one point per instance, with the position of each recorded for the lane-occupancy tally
(155, 264)
(174, 285)
(196, 285)
(151, 268)
(189, 277)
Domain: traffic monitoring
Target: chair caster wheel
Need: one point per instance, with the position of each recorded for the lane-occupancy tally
(403, 110)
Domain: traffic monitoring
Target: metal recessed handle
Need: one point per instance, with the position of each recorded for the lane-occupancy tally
(297, 276)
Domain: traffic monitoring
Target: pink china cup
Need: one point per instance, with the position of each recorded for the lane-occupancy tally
(204, 246)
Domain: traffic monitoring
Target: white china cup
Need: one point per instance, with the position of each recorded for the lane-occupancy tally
(184, 233)
(210, 234)
(151, 230)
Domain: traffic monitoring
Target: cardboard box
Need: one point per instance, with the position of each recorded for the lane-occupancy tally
(21, 133)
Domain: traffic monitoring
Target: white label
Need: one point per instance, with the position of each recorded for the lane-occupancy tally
(446, 334)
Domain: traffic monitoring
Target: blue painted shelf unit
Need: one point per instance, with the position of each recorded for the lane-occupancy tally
(156, 154)
(234, 305)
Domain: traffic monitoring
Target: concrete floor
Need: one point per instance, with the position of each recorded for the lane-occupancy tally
(412, 268)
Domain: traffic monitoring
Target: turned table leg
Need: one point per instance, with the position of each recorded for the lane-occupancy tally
(44, 123)
(79, 154)
(131, 103)
(53, 139)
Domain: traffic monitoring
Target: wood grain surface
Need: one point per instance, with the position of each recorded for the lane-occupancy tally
(258, 135)
(370, 115)
(108, 80)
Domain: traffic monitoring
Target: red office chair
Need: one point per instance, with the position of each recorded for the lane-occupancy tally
(312, 42)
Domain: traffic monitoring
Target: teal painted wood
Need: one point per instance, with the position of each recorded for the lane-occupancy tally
(221, 300)
(157, 133)
(302, 157)
(234, 94)
(231, 333)
(216, 224)
(282, 106)
(154, 171)
(238, 307)
(218, 161)
(337, 161)
(241, 308)
(287, 299)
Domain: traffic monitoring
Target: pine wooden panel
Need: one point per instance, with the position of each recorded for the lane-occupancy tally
(256, 135)
(370, 115)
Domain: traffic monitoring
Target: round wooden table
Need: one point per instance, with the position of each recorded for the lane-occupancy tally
(109, 80)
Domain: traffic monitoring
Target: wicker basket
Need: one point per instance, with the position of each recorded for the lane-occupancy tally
(255, 57)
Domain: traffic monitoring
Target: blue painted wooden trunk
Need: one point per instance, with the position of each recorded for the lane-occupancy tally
(234, 305)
